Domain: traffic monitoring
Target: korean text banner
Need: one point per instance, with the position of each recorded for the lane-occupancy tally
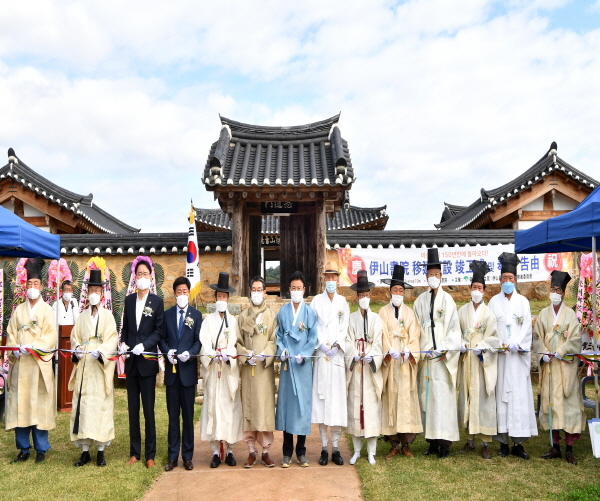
(380, 263)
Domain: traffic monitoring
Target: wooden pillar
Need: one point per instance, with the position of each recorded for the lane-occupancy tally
(239, 248)
(321, 247)
(254, 260)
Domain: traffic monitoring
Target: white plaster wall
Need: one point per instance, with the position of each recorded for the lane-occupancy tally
(562, 202)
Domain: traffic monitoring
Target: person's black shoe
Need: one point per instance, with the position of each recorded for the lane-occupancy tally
(22, 456)
(503, 450)
(336, 457)
(40, 457)
(216, 461)
(519, 451)
(434, 450)
(100, 461)
(84, 459)
(324, 459)
(230, 460)
(444, 452)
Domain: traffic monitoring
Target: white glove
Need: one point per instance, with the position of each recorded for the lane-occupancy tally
(477, 350)
(394, 354)
(23, 349)
(463, 348)
(184, 357)
(356, 358)
(324, 348)
(299, 359)
(138, 349)
(123, 348)
(283, 357)
(17, 353)
(251, 360)
(95, 354)
(558, 356)
(261, 357)
(80, 353)
(333, 352)
(546, 358)
(368, 359)
(513, 347)
(223, 356)
(406, 355)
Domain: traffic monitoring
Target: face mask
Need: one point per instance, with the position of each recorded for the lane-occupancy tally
(33, 293)
(330, 287)
(182, 300)
(363, 302)
(257, 298)
(67, 296)
(221, 306)
(397, 300)
(94, 299)
(555, 298)
(508, 287)
(433, 282)
(297, 296)
(476, 296)
(143, 283)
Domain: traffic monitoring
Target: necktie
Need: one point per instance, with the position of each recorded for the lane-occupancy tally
(180, 327)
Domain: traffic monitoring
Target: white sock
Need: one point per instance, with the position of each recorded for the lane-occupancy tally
(357, 442)
(371, 449)
(100, 448)
(85, 448)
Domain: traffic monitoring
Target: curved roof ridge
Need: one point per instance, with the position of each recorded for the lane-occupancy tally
(321, 125)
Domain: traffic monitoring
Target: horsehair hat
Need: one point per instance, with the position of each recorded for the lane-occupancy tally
(397, 278)
(95, 278)
(433, 260)
(560, 279)
(222, 284)
(34, 266)
(479, 269)
(509, 262)
(362, 282)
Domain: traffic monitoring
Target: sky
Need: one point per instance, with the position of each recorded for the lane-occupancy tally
(438, 98)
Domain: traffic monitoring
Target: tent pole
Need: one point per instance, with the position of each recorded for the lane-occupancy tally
(595, 319)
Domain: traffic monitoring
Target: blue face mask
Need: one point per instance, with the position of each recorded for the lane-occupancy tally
(508, 287)
(330, 287)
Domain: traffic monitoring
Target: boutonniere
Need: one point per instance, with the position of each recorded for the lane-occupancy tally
(480, 327)
(340, 316)
(189, 322)
(519, 319)
(148, 311)
(302, 327)
(261, 328)
(557, 331)
(226, 332)
(402, 323)
(440, 312)
(33, 322)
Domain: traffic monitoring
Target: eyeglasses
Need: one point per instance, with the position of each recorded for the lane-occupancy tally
(556, 290)
(257, 290)
(142, 274)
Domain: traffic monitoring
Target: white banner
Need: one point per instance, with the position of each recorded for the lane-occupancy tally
(380, 263)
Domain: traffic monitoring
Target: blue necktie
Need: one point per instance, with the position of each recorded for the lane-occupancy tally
(180, 327)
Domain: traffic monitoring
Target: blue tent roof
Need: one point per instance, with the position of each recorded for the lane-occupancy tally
(18, 238)
(570, 232)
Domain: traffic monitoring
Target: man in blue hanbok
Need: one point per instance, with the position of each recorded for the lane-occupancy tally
(296, 340)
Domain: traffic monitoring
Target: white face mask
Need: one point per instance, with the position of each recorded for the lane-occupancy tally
(476, 296)
(94, 299)
(221, 306)
(433, 282)
(363, 302)
(297, 296)
(397, 300)
(67, 296)
(257, 298)
(555, 298)
(330, 286)
(33, 293)
(182, 300)
(142, 283)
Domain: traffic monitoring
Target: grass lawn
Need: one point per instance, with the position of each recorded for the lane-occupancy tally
(57, 478)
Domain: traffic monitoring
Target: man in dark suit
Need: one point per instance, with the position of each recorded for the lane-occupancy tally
(181, 343)
(143, 317)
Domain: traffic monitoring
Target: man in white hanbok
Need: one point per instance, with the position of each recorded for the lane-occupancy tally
(514, 395)
(329, 372)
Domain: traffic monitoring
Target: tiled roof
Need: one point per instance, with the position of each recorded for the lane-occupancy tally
(344, 219)
(456, 217)
(303, 155)
(80, 205)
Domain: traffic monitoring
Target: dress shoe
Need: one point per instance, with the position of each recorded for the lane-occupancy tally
(433, 450)
(84, 459)
(302, 461)
(188, 465)
(230, 460)
(285, 462)
(570, 458)
(503, 452)
(485, 452)
(22, 456)
(393, 452)
(216, 461)
(170, 465)
(40, 457)
(336, 457)
(324, 459)
(552, 453)
(467, 448)
(266, 460)
(100, 461)
(250, 461)
(132, 460)
(519, 451)
(405, 450)
(150, 463)
(444, 452)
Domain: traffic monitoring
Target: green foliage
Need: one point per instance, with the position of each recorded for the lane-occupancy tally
(273, 275)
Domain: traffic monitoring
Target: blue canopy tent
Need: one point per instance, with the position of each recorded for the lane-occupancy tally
(18, 238)
(574, 231)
